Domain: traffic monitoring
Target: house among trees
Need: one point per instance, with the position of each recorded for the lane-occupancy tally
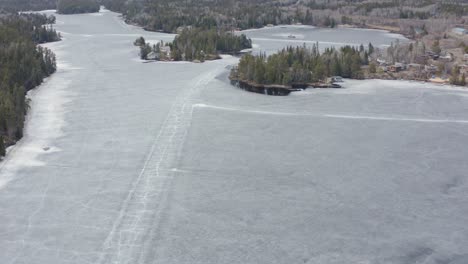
(159, 53)
(336, 79)
(415, 66)
(464, 69)
(432, 55)
(421, 59)
(460, 31)
(381, 62)
(430, 68)
(165, 51)
(419, 32)
(446, 57)
(152, 56)
(397, 67)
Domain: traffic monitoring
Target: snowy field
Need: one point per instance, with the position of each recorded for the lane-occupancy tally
(130, 162)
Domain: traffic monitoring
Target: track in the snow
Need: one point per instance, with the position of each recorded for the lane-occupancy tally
(129, 237)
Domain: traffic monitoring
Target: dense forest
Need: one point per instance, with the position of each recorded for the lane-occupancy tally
(27, 5)
(24, 65)
(168, 15)
(302, 65)
(62, 6)
(195, 45)
(77, 6)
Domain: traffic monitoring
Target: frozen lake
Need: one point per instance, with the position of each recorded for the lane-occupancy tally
(130, 162)
(271, 39)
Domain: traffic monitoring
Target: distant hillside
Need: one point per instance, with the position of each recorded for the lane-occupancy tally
(168, 15)
(77, 6)
(26, 5)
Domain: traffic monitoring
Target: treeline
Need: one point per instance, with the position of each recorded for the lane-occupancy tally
(24, 65)
(27, 5)
(195, 44)
(302, 65)
(407, 9)
(62, 6)
(410, 14)
(37, 27)
(453, 8)
(456, 78)
(169, 15)
(77, 6)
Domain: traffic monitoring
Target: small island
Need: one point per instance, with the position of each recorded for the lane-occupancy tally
(77, 6)
(196, 45)
(295, 68)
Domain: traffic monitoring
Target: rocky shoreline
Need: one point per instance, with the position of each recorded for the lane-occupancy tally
(276, 89)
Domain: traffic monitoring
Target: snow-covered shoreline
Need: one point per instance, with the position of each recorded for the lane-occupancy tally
(44, 121)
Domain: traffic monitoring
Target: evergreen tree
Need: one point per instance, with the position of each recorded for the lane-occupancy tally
(436, 47)
(2, 147)
(372, 68)
(144, 51)
(300, 65)
(139, 42)
(371, 49)
(454, 78)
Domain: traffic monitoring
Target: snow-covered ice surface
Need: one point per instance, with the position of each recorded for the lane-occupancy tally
(270, 39)
(168, 163)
